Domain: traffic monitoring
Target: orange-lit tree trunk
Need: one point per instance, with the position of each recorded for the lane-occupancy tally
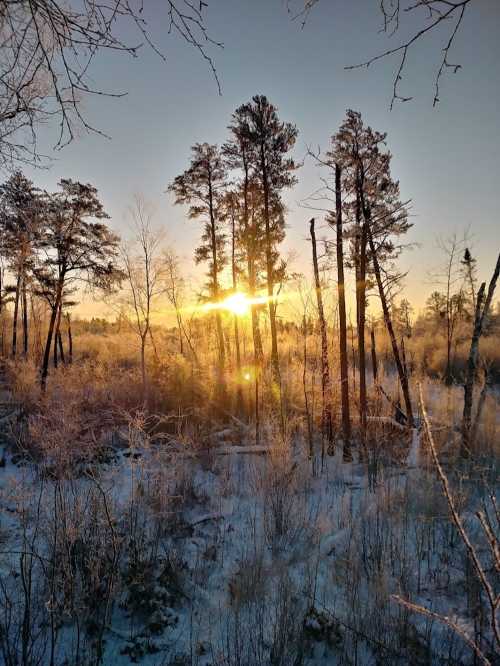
(344, 379)
(326, 390)
(25, 319)
(361, 314)
(16, 315)
(50, 333)
(403, 378)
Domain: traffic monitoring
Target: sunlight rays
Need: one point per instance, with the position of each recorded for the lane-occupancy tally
(239, 304)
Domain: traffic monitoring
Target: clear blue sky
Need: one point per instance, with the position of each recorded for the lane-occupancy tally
(445, 158)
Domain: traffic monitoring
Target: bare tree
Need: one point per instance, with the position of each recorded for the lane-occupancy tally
(174, 286)
(430, 16)
(483, 304)
(326, 419)
(47, 48)
(144, 270)
(344, 376)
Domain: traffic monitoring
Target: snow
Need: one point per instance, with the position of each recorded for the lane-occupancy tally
(259, 553)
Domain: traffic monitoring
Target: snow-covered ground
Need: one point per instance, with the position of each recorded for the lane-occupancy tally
(236, 557)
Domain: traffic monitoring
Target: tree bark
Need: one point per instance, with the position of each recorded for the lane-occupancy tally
(70, 339)
(360, 261)
(215, 290)
(239, 391)
(143, 368)
(57, 334)
(480, 315)
(25, 319)
(361, 303)
(50, 333)
(403, 379)
(15, 316)
(344, 379)
(270, 275)
(326, 392)
(374, 357)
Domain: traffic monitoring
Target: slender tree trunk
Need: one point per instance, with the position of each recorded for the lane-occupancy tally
(16, 314)
(374, 357)
(61, 347)
(361, 302)
(257, 339)
(344, 378)
(250, 251)
(215, 290)
(239, 390)
(390, 329)
(50, 333)
(57, 333)
(25, 319)
(304, 388)
(70, 339)
(479, 411)
(326, 389)
(480, 315)
(360, 260)
(179, 329)
(270, 276)
(143, 367)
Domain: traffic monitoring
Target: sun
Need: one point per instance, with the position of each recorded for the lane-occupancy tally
(237, 303)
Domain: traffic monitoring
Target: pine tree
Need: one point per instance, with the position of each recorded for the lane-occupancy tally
(270, 140)
(20, 221)
(377, 218)
(201, 186)
(77, 249)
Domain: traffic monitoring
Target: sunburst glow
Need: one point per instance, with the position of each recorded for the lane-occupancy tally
(238, 303)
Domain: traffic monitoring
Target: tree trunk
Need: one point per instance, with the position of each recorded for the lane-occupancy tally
(270, 276)
(220, 380)
(239, 390)
(361, 306)
(179, 329)
(25, 319)
(70, 339)
(61, 347)
(388, 323)
(304, 387)
(143, 368)
(16, 314)
(374, 357)
(479, 411)
(326, 391)
(344, 379)
(257, 339)
(480, 315)
(50, 333)
(360, 261)
(57, 333)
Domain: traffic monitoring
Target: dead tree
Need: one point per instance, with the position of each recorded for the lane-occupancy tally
(344, 379)
(483, 303)
(403, 379)
(326, 390)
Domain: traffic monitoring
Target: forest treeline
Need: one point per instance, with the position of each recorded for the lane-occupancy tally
(55, 244)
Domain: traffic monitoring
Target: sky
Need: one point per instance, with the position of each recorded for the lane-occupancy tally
(446, 158)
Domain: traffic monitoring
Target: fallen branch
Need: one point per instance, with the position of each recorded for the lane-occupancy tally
(444, 620)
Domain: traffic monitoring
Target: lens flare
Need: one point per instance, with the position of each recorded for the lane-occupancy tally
(238, 303)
